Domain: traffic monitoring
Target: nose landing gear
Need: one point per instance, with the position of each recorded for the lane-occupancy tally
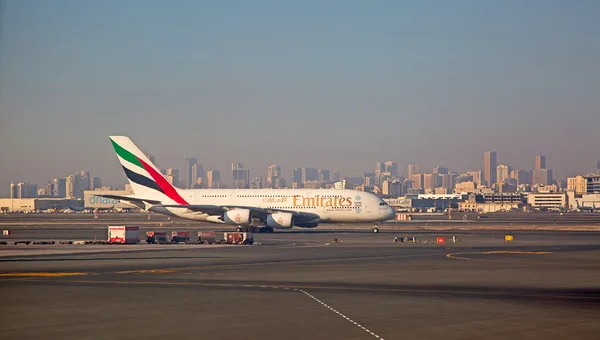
(375, 227)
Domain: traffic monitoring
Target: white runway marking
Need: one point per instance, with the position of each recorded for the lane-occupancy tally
(340, 314)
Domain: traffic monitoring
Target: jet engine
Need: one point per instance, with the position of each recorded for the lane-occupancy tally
(280, 220)
(238, 217)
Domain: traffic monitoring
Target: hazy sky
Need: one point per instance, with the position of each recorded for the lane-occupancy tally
(332, 84)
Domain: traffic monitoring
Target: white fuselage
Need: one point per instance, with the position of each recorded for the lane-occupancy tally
(331, 205)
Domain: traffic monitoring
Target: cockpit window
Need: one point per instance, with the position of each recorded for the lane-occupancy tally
(382, 203)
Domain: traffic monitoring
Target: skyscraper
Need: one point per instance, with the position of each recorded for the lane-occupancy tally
(172, 176)
(392, 168)
(197, 172)
(598, 167)
(150, 158)
(14, 193)
(540, 162)
(440, 170)
(189, 164)
(379, 168)
(82, 183)
(324, 176)
(411, 170)
(240, 176)
(417, 181)
(95, 183)
(489, 167)
(297, 175)
(70, 187)
(213, 177)
(542, 177)
(502, 173)
(273, 171)
(475, 176)
(60, 187)
(310, 174)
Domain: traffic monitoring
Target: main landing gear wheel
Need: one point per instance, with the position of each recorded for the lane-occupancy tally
(375, 228)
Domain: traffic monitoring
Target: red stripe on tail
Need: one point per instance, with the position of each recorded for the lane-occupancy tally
(166, 187)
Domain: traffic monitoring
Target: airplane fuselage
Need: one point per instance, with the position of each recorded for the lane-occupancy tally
(330, 205)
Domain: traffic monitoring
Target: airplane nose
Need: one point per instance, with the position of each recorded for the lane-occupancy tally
(391, 213)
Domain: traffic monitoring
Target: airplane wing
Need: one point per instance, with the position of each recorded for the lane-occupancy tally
(256, 212)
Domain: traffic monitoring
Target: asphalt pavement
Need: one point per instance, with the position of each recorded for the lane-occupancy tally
(301, 284)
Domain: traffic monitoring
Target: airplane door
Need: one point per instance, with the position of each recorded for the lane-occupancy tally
(367, 209)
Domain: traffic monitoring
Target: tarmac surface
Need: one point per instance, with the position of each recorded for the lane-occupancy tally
(298, 284)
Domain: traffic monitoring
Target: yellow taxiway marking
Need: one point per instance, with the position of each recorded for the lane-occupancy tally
(298, 287)
(510, 252)
(41, 274)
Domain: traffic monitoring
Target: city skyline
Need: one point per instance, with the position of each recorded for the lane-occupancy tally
(501, 172)
(332, 85)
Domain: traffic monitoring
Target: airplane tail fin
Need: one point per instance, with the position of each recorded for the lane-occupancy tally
(144, 177)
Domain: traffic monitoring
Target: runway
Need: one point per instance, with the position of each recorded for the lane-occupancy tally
(299, 285)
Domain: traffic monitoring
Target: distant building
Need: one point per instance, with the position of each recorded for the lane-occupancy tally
(309, 175)
(577, 184)
(502, 173)
(593, 184)
(440, 170)
(172, 175)
(324, 176)
(189, 172)
(93, 201)
(489, 167)
(476, 176)
(340, 185)
(430, 181)
(280, 183)
(240, 176)
(70, 186)
(393, 188)
(197, 176)
(547, 200)
(540, 162)
(379, 168)
(392, 168)
(411, 170)
(150, 158)
(521, 176)
(446, 180)
(23, 190)
(443, 191)
(82, 183)
(547, 188)
(95, 183)
(542, 177)
(417, 181)
(297, 175)
(505, 187)
(213, 179)
(465, 187)
(36, 204)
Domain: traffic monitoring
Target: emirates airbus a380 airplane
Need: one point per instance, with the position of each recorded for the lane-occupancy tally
(269, 208)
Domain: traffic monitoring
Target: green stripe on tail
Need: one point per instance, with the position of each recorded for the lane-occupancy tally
(126, 155)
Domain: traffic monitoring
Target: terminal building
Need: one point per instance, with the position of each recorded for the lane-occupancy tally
(93, 201)
(547, 200)
(593, 184)
(27, 205)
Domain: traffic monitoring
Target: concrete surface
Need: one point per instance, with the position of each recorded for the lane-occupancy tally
(299, 285)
